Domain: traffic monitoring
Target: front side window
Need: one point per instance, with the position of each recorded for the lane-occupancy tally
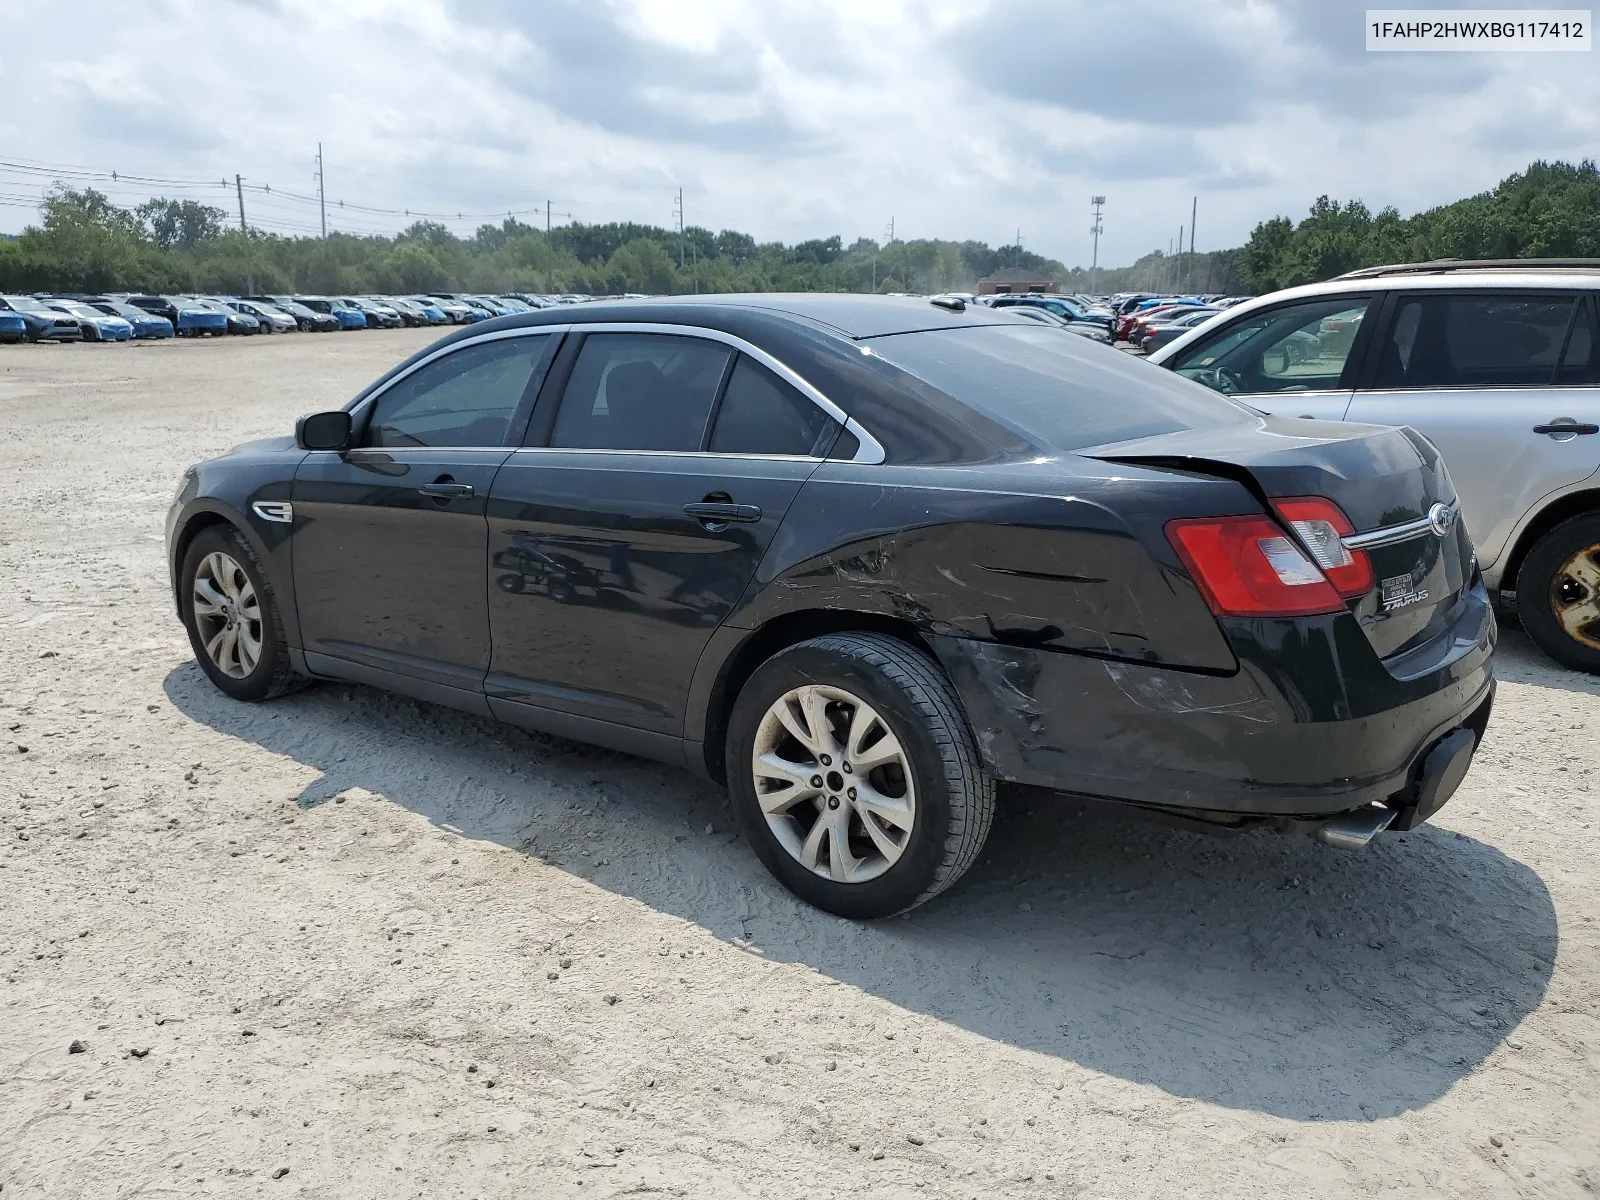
(1293, 348)
(640, 391)
(761, 414)
(1440, 340)
(466, 398)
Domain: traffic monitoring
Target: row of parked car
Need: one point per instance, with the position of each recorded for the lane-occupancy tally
(1144, 320)
(124, 316)
(1148, 322)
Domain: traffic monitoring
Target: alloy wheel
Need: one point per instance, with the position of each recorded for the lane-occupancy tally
(1575, 596)
(227, 615)
(834, 783)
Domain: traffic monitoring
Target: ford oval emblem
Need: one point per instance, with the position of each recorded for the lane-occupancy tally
(1441, 519)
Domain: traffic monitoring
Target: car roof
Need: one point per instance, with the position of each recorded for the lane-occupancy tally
(852, 315)
(1536, 280)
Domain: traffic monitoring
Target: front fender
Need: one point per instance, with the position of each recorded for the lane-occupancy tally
(270, 540)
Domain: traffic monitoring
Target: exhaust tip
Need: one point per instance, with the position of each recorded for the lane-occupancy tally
(1354, 830)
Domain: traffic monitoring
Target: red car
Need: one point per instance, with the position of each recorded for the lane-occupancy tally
(1137, 322)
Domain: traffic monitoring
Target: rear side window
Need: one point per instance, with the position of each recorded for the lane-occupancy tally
(1054, 388)
(761, 414)
(466, 398)
(640, 391)
(1580, 361)
(1438, 340)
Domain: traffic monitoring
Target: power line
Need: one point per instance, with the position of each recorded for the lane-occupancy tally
(64, 172)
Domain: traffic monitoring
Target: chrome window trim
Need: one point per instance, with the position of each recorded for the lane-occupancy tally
(1392, 535)
(716, 454)
(870, 450)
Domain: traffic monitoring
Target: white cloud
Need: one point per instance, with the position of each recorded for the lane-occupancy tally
(785, 118)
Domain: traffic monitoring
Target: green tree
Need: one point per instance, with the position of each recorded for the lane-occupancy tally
(179, 223)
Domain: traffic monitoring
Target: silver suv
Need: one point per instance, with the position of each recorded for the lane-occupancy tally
(1497, 363)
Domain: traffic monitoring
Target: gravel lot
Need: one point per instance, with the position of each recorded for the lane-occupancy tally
(348, 945)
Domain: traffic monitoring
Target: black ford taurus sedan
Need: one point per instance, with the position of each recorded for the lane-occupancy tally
(862, 559)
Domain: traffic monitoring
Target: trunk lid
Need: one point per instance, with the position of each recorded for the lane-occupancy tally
(1382, 478)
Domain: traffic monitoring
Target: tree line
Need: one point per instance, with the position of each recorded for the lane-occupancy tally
(85, 243)
(1551, 210)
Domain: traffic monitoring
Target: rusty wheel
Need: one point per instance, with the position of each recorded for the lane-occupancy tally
(1558, 589)
(1575, 596)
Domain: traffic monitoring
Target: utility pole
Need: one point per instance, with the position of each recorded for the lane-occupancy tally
(1194, 210)
(547, 218)
(322, 199)
(1097, 203)
(238, 185)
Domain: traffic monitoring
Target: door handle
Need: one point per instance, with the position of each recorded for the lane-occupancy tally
(721, 512)
(445, 491)
(1568, 426)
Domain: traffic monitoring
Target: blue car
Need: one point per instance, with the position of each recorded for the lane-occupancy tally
(12, 327)
(347, 314)
(459, 309)
(189, 319)
(96, 325)
(145, 324)
(41, 322)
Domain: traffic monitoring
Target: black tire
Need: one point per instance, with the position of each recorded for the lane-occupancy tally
(954, 798)
(1543, 591)
(273, 675)
(512, 583)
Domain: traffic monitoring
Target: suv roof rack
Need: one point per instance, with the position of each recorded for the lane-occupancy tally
(1477, 264)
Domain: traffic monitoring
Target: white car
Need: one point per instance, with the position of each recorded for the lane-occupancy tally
(1496, 363)
(273, 319)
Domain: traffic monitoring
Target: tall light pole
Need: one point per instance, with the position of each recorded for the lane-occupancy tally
(679, 215)
(1097, 203)
(322, 197)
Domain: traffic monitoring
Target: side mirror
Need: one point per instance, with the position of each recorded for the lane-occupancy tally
(324, 431)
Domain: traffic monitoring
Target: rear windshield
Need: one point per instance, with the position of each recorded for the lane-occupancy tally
(1053, 387)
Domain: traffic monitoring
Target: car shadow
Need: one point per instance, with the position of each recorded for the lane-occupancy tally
(1518, 660)
(1256, 972)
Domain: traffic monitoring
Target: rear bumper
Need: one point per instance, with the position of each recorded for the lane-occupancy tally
(1304, 730)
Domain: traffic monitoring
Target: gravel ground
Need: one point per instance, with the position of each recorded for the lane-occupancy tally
(349, 945)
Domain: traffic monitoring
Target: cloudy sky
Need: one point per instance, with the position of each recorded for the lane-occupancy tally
(787, 119)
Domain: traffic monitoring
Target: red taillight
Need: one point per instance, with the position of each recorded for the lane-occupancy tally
(1321, 526)
(1249, 567)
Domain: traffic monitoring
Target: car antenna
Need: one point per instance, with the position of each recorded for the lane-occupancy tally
(953, 303)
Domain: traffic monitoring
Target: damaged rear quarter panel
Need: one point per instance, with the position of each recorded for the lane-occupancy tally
(1032, 555)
